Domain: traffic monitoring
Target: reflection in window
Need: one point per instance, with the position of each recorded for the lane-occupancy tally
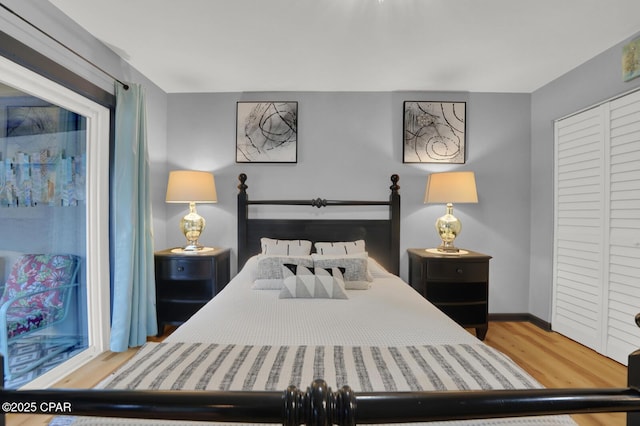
(42, 235)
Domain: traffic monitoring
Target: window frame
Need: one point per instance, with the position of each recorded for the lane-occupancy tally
(32, 73)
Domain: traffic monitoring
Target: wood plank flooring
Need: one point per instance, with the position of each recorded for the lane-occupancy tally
(552, 359)
(558, 362)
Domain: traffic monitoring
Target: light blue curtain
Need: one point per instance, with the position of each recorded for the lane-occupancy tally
(133, 279)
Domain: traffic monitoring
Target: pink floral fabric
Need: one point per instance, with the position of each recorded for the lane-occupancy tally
(21, 320)
(31, 273)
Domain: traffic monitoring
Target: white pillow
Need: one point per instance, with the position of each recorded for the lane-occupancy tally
(270, 267)
(356, 274)
(285, 247)
(345, 247)
(301, 282)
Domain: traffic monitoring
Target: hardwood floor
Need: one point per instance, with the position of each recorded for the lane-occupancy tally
(558, 362)
(554, 360)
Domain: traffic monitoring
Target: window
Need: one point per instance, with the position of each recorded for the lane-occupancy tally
(54, 191)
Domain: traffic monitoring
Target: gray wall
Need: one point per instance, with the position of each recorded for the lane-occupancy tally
(594, 81)
(349, 145)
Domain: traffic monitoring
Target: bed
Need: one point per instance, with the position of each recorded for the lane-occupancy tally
(336, 338)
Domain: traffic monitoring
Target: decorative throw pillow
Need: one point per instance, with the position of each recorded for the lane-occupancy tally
(349, 247)
(356, 275)
(270, 267)
(285, 247)
(301, 282)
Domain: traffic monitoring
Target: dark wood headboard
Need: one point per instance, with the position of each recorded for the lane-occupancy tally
(382, 236)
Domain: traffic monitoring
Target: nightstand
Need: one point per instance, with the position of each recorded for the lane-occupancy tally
(457, 284)
(186, 281)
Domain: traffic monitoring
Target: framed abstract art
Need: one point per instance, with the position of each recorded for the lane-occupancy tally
(267, 132)
(434, 132)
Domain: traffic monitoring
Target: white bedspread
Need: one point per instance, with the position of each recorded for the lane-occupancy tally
(388, 332)
(390, 313)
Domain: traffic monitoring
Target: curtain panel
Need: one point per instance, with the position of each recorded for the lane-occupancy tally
(133, 277)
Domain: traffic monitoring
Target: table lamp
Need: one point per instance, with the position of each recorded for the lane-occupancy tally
(449, 188)
(187, 186)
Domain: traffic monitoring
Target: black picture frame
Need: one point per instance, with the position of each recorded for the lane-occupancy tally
(267, 132)
(434, 132)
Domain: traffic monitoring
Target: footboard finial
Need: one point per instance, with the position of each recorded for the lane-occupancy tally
(319, 406)
(319, 202)
(345, 407)
(293, 409)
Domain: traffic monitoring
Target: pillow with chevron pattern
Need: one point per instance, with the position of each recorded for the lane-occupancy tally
(302, 282)
(356, 275)
(271, 266)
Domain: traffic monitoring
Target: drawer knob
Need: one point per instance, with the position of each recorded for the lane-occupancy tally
(459, 270)
(180, 268)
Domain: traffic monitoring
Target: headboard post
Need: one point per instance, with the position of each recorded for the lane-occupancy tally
(394, 200)
(243, 215)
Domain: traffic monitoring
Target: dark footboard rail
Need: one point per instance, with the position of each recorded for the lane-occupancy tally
(318, 405)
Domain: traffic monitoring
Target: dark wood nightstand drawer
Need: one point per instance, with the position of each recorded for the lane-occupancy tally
(446, 292)
(199, 290)
(458, 271)
(183, 269)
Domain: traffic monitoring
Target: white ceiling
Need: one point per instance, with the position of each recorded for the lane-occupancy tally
(355, 45)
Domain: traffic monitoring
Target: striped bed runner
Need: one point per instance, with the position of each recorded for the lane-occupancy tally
(201, 366)
(204, 366)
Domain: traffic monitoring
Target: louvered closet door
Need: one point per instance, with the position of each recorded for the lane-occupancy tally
(623, 336)
(579, 236)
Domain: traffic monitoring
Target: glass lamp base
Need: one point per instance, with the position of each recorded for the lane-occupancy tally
(193, 247)
(448, 248)
(192, 226)
(448, 227)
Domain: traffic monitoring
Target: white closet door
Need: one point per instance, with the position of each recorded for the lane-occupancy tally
(623, 336)
(579, 268)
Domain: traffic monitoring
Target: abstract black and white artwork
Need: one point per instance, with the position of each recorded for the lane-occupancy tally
(267, 132)
(434, 132)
